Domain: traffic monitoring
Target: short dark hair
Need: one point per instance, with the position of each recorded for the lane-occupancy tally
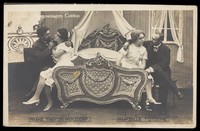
(135, 34)
(42, 30)
(161, 36)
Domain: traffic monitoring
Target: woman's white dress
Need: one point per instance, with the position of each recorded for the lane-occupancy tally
(63, 60)
(133, 56)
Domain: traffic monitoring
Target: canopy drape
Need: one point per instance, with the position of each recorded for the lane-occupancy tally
(82, 29)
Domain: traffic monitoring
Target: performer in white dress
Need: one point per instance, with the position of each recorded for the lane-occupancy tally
(62, 57)
(134, 55)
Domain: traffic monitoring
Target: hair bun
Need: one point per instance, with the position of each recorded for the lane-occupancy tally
(63, 33)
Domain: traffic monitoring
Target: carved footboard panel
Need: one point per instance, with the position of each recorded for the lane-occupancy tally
(100, 82)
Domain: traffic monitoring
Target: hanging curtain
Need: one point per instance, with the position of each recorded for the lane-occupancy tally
(123, 26)
(158, 18)
(176, 25)
(80, 30)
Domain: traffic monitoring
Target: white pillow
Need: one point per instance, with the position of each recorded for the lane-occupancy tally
(89, 53)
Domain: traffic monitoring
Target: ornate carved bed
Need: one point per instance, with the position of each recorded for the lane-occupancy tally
(95, 77)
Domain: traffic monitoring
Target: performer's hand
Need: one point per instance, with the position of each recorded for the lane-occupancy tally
(54, 47)
(148, 70)
(68, 43)
(51, 44)
(125, 47)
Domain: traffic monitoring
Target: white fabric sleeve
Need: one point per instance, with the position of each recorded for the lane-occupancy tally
(145, 55)
(62, 46)
(122, 51)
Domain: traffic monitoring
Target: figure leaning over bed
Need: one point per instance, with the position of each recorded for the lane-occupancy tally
(61, 56)
(134, 55)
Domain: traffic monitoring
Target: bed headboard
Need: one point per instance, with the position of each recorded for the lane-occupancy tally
(104, 38)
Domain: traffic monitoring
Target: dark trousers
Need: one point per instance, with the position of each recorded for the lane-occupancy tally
(163, 79)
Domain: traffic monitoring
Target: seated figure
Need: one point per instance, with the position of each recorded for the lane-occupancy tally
(134, 55)
(158, 66)
(61, 56)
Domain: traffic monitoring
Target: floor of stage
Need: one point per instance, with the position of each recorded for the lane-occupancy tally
(84, 113)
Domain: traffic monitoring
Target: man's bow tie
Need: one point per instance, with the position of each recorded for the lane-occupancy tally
(155, 48)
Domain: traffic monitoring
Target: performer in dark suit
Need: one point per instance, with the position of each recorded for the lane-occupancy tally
(38, 57)
(158, 65)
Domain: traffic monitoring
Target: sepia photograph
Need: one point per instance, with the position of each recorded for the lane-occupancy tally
(100, 65)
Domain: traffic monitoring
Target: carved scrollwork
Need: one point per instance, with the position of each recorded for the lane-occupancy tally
(97, 76)
(100, 82)
(99, 61)
(20, 40)
(130, 81)
(127, 84)
(71, 83)
(19, 43)
(104, 37)
(108, 45)
(97, 82)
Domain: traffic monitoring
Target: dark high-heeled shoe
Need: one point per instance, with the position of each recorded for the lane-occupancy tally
(148, 106)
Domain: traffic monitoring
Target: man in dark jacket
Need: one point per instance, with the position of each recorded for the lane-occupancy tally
(38, 57)
(158, 66)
